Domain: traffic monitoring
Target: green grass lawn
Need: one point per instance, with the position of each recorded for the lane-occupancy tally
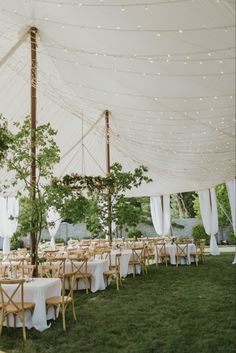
(184, 310)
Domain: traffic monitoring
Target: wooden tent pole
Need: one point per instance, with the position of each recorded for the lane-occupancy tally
(108, 162)
(33, 41)
(108, 168)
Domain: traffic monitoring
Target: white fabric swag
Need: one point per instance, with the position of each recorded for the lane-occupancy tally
(208, 208)
(160, 212)
(231, 188)
(53, 221)
(9, 207)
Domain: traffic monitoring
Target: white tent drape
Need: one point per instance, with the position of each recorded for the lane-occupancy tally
(160, 211)
(231, 188)
(53, 220)
(9, 207)
(208, 207)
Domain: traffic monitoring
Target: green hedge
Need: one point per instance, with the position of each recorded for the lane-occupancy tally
(198, 232)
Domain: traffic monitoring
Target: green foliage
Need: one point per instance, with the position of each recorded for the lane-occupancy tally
(198, 232)
(16, 241)
(59, 240)
(5, 138)
(135, 233)
(99, 200)
(182, 205)
(34, 199)
(232, 238)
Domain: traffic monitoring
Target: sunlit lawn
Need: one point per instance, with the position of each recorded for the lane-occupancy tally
(184, 310)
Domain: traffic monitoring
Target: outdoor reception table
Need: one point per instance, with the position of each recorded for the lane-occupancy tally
(124, 260)
(96, 268)
(37, 291)
(171, 251)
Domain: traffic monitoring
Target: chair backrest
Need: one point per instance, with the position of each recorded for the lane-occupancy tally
(50, 271)
(114, 261)
(3, 270)
(201, 245)
(79, 265)
(161, 249)
(26, 270)
(9, 290)
(68, 281)
(181, 249)
(61, 261)
(137, 254)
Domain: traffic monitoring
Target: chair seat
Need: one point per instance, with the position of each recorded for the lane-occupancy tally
(134, 263)
(10, 308)
(58, 300)
(110, 272)
(82, 275)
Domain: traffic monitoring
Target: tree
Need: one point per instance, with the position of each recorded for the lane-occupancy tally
(18, 160)
(182, 205)
(106, 194)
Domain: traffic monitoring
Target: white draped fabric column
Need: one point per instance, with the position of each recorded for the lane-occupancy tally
(9, 208)
(160, 212)
(208, 207)
(53, 220)
(231, 188)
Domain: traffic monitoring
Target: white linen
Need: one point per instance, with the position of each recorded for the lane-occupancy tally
(37, 292)
(96, 268)
(160, 212)
(161, 79)
(208, 207)
(231, 188)
(171, 251)
(9, 207)
(124, 261)
(52, 216)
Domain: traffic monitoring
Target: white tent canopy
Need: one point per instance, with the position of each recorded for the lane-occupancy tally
(164, 69)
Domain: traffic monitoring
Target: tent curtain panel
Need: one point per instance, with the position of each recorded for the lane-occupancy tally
(231, 189)
(9, 208)
(208, 208)
(53, 221)
(160, 212)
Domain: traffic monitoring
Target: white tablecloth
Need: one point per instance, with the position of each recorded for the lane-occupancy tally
(96, 268)
(37, 292)
(124, 261)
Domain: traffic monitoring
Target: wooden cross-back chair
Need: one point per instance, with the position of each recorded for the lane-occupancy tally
(65, 299)
(10, 306)
(3, 270)
(200, 245)
(114, 271)
(80, 267)
(161, 253)
(26, 270)
(137, 259)
(60, 261)
(182, 252)
(50, 271)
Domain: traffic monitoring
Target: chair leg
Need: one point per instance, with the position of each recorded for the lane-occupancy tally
(117, 282)
(73, 309)
(63, 318)
(2, 320)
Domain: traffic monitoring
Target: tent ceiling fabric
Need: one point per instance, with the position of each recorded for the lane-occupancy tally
(165, 69)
